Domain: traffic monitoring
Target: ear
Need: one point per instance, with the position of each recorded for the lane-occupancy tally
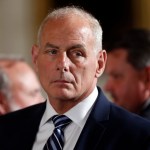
(35, 52)
(144, 76)
(102, 57)
(147, 77)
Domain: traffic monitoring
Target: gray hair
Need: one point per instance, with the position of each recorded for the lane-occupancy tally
(70, 11)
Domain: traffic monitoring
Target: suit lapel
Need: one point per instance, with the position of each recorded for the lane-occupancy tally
(95, 125)
(35, 119)
(31, 125)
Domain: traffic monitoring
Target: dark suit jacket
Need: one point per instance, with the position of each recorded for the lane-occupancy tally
(108, 127)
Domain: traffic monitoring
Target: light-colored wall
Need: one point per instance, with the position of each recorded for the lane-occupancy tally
(19, 21)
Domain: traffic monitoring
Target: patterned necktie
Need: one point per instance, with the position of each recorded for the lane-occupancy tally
(56, 140)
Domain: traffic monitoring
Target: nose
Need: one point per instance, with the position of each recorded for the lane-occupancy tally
(63, 62)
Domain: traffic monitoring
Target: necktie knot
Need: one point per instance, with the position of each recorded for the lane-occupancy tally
(61, 121)
(56, 140)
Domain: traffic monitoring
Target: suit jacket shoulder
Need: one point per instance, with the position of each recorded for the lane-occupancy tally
(110, 127)
(18, 129)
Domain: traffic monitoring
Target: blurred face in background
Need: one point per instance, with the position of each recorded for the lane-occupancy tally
(125, 84)
(24, 85)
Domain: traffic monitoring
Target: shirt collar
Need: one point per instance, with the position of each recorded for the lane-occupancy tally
(78, 114)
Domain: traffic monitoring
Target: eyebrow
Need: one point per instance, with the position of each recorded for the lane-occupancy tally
(77, 46)
(49, 45)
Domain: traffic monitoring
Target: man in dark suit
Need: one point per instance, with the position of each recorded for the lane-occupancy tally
(128, 63)
(69, 59)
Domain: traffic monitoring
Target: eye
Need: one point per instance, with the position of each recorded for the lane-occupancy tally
(51, 51)
(77, 53)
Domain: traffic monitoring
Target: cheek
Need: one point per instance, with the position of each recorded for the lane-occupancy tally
(79, 73)
(122, 87)
(91, 70)
(136, 87)
(88, 73)
(130, 88)
(43, 65)
(43, 71)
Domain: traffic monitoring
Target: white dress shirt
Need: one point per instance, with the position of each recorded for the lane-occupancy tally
(77, 114)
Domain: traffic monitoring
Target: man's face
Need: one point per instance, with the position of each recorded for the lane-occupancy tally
(124, 82)
(66, 63)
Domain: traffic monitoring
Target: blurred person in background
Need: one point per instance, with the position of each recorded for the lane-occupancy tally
(128, 71)
(19, 85)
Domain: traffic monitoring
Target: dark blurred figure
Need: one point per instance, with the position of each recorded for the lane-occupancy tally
(19, 85)
(128, 70)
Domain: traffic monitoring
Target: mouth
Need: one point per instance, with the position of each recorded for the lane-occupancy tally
(61, 81)
(62, 84)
